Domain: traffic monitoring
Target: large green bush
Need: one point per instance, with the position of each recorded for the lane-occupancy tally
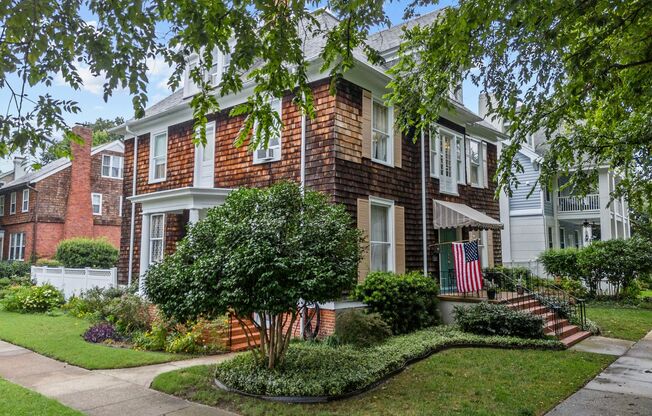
(561, 262)
(86, 252)
(406, 302)
(356, 327)
(28, 299)
(495, 319)
(93, 303)
(14, 269)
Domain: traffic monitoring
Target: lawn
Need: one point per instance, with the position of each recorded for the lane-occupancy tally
(621, 322)
(645, 294)
(59, 337)
(499, 382)
(18, 401)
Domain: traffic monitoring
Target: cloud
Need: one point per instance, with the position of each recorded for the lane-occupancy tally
(91, 83)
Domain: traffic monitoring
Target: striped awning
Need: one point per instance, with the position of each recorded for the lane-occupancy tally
(454, 215)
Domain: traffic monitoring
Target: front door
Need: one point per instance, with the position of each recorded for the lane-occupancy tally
(446, 261)
(205, 160)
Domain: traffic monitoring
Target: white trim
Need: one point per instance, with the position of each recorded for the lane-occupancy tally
(439, 129)
(13, 202)
(120, 202)
(23, 200)
(162, 238)
(387, 203)
(525, 212)
(180, 199)
(278, 150)
(152, 166)
(13, 246)
(112, 160)
(337, 305)
(2, 209)
(93, 195)
(197, 168)
(390, 133)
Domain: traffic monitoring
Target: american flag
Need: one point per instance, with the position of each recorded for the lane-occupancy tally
(467, 266)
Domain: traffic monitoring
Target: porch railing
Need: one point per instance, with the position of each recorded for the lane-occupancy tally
(518, 288)
(589, 202)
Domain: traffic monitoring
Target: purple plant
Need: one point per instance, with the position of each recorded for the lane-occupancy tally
(100, 333)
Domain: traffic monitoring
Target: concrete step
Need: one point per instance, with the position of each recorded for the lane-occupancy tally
(575, 338)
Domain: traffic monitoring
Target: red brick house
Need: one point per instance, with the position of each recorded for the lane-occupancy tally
(407, 196)
(66, 198)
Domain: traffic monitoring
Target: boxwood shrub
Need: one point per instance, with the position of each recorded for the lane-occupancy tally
(496, 319)
(407, 302)
(28, 299)
(14, 269)
(356, 327)
(87, 252)
(317, 369)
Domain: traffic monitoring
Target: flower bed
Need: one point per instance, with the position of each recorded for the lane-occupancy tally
(319, 372)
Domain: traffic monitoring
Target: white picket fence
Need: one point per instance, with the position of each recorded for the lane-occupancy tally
(74, 281)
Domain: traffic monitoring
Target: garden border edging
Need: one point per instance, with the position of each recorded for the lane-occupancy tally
(382, 380)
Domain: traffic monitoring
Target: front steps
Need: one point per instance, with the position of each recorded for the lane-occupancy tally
(567, 333)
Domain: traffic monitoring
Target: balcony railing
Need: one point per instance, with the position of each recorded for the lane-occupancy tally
(590, 202)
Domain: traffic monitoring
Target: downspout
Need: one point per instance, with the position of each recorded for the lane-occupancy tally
(35, 222)
(132, 225)
(424, 216)
(302, 168)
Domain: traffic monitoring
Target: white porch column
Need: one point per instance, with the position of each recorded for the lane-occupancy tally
(144, 252)
(605, 210)
(193, 216)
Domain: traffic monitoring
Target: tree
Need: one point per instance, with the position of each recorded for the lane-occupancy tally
(259, 255)
(578, 71)
(101, 135)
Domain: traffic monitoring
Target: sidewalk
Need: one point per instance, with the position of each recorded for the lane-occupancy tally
(624, 388)
(101, 392)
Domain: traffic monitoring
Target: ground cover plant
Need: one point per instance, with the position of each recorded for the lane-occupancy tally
(318, 369)
(500, 382)
(18, 401)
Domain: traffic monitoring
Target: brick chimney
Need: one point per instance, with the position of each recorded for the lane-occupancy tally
(79, 212)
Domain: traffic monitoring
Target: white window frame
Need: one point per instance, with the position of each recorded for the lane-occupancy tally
(120, 200)
(152, 161)
(2, 205)
(113, 163)
(390, 133)
(16, 250)
(12, 203)
(220, 64)
(278, 149)
(435, 157)
(460, 160)
(162, 238)
(385, 203)
(480, 183)
(189, 86)
(93, 196)
(578, 238)
(25, 201)
(562, 237)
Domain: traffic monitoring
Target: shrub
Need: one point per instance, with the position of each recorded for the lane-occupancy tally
(361, 329)
(495, 319)
(87, 252)
(561, 262)
(26, 299)
(153, 340)
(93, 302)
(129, 313)
(183, 342)
(13, 269)
(101, 332)
(406, 302)
(48, 263)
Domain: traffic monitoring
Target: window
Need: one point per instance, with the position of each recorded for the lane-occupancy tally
(550, 240)
(562, 238)
(156, 238)
(2, 205)
(158, 157)
(577, 238)
(96, 201)
(189, 86)
(112, 166)
(12, 203)
(381, 146)
(475, 160)
(381, 238)
(460, 159)
(548, 196)
(25, 207)
(17, 246)
(273, 151)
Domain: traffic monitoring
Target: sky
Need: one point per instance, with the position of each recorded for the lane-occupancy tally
(93, 105)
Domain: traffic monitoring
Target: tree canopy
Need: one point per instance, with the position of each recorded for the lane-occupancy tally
(259, 255)
(578, 71)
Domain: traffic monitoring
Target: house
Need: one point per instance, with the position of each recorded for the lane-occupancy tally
(410, 198)
(537, 218)
(66, 198)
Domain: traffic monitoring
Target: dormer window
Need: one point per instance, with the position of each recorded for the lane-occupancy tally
(189, 86)
(221, 62)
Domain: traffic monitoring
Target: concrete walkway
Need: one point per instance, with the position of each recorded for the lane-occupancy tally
(101, 392)
(624, 388)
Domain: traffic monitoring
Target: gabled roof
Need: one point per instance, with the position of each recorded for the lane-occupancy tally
(391, 38)
(60, 164)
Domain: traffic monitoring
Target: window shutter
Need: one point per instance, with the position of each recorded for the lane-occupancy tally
(399, 239)
(490, 247)
(363, 225)
(437, 160)
(485, 171)
(398, 141)
(367, 104)
(467, 146)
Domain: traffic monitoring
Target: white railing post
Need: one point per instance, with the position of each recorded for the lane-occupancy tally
(114, 276)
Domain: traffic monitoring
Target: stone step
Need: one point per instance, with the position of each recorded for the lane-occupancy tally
(550, 325)
(565, 331)
(575, 338)
(524, 304)
(537, 310)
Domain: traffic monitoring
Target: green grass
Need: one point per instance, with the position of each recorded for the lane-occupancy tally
(645, 294)
(470, 381)
(620, 322)
(59, 337)
(18, 401)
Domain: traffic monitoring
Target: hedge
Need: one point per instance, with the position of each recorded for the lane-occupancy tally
(86, 252)
(316, 369)
(495, 319)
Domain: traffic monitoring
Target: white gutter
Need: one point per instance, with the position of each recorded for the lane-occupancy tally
(132, 226)
(302, 319)
(424, 217)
